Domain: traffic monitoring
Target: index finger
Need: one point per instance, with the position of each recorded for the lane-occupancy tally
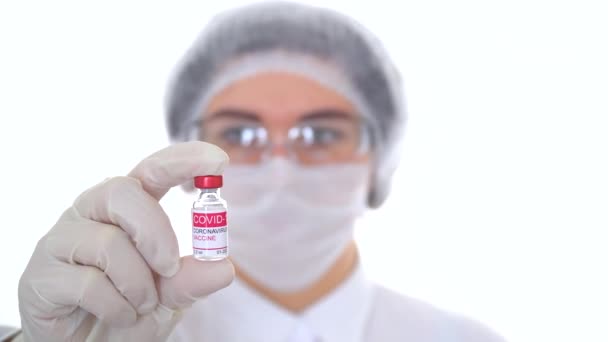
(178, 164)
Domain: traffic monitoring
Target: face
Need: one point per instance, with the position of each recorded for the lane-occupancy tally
(287, 115)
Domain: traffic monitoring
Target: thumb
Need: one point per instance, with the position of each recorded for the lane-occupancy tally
(195, 279)
(178, 164)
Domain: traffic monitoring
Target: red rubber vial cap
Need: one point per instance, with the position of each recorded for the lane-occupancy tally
(208, 182)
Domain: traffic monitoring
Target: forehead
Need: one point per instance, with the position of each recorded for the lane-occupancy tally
(279, 97)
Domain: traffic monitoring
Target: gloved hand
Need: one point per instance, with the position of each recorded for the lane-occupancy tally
(109, 270)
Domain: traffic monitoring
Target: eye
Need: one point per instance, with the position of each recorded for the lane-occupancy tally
(243, 136)
(321, 136)
(239, 135)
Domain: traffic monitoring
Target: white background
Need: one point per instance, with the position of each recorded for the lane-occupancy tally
(499, 210)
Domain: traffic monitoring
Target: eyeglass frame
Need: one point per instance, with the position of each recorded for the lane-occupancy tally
(194, 130)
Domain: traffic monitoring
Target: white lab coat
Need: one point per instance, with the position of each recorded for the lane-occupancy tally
(357, 311)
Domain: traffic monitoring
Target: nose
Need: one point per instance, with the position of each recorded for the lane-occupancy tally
(279, 150)
(278, 144)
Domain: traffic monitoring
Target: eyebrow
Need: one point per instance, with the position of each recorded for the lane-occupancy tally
(234, 113)
(328, 113)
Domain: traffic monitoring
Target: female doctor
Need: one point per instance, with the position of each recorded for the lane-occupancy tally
(308, 107)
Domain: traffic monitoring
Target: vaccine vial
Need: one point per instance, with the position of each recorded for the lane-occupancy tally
(209, 224)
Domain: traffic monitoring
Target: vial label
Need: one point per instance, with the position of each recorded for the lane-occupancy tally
(209, 234)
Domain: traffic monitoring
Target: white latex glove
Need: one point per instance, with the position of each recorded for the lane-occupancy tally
(109, 270)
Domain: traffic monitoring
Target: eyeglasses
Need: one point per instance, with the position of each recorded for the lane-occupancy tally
(317, 140)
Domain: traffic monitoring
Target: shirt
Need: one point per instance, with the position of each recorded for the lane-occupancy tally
(356, 311)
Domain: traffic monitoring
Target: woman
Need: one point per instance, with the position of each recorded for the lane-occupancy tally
(308, 107)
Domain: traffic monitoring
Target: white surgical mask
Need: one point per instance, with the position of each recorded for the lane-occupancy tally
(287, 223)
